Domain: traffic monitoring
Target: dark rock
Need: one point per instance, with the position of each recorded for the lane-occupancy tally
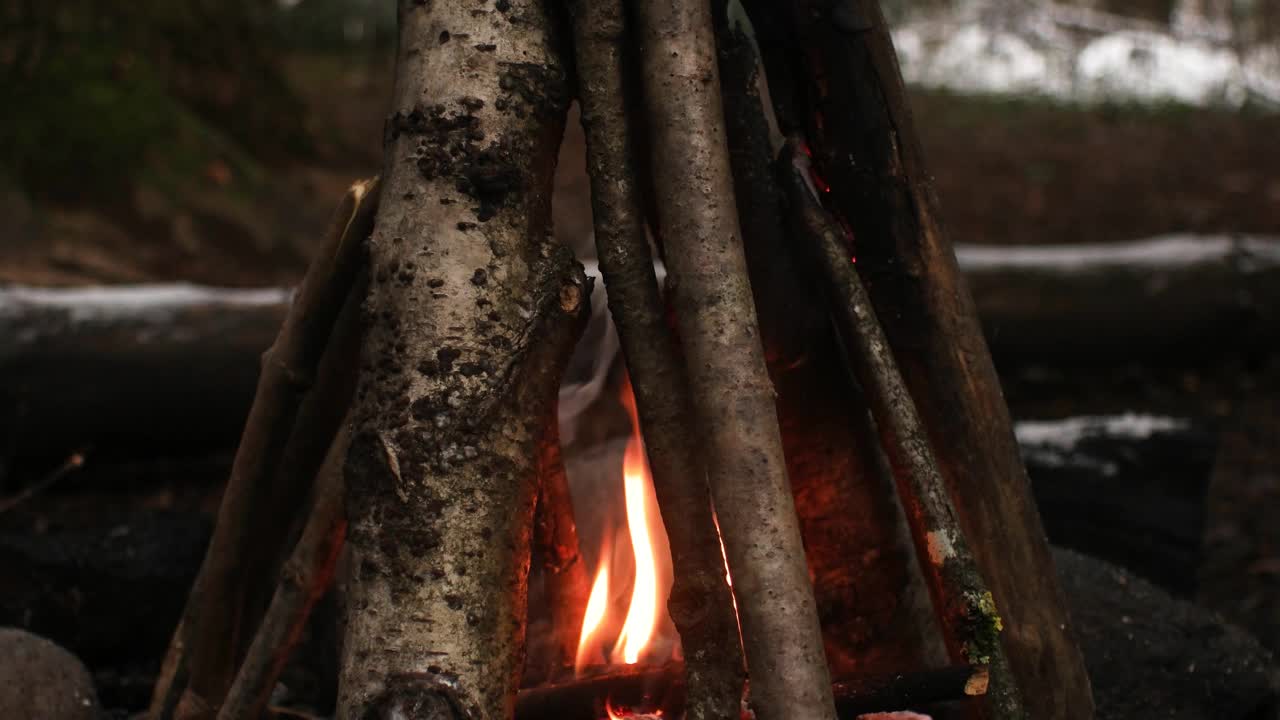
(38, 679)
(1152, 656)
(111, 591)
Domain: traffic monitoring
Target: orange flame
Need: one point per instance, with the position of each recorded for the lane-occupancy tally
(640, 634)
(597, 603)
(642, 616)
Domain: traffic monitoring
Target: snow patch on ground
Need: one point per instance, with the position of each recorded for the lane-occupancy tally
(1066, 434)
(107, 302)
(1049, 50)
(1163, 252)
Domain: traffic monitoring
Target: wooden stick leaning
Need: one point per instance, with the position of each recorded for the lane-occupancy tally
(864, 141)
(960, 595)
(729, 384)
(843, 489)
(303, 580)
(701, 603)
(216, 626)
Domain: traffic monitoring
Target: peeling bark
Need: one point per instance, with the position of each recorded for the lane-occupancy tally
(701, 604)
(730, 388)
(473, 312)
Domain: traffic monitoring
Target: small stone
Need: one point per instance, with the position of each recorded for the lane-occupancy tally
(39, 679)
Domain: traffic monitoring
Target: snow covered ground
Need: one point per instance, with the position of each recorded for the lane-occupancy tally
(1074, 55)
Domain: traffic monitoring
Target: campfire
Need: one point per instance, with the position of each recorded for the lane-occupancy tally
(825, 511)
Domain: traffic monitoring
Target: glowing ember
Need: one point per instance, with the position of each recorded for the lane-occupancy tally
(624, 713)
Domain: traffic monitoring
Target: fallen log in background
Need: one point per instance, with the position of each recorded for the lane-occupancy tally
(1177, 296)
(124, 368)
(157, 366)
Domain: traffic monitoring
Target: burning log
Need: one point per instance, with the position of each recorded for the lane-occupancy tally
(874, 610)
(663, 688)
(960, 595)
(866, 147)
(729, 383)
(701, 605)
(473, 313)
(219, 620)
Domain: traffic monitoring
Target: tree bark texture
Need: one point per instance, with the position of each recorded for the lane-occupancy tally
(472, 312)
(730, 388)
(220, 617)
(866, 147)
(701, 604)
(871, 600)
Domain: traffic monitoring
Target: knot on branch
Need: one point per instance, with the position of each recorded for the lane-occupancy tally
(420, 697)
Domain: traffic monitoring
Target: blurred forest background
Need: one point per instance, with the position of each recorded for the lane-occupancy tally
(207, 141)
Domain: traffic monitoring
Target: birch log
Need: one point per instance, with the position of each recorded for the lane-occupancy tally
(729, 382)
(701, 604)
(472, 314)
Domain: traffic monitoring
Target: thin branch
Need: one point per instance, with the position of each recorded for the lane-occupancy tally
(960, 594)
(701, 604)
(304, 579)
(73, 462)
(214, 620)
(730, 388)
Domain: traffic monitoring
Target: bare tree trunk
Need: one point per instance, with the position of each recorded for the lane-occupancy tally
(700, 604)
(473, 312)
(866, 145)
(729, 381)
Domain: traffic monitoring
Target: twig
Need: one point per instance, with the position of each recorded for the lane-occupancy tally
(303, 580)
(664, 688)
(701, 604)
(730, 388)
(960, 595)
(215, 633)
(73, 462)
